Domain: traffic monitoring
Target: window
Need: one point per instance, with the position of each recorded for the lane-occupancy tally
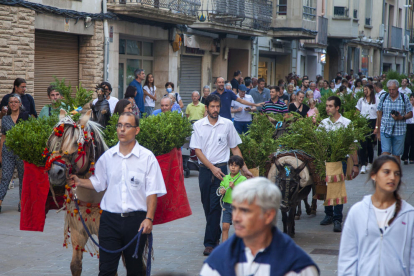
(309, 10)
(133, 54)
(368, 21)
(282, 7)
(355, 14)
(368, 12)
(340, 12)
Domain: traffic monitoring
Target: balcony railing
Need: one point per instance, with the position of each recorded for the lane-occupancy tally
(254, 14)
(395, 37)
(309, 13)
(186, 7)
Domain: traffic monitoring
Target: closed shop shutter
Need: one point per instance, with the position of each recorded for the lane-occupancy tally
(56, 54)
(190, 77)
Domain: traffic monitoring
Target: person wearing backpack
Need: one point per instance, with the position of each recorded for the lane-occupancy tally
(393, 109)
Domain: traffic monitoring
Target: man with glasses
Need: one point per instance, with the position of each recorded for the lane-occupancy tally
(132, 178)
(107, 89)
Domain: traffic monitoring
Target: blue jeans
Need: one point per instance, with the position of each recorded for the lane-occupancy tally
(336, 211)
(148, 110)
(242, 126)
(393, 144)
(211, 204)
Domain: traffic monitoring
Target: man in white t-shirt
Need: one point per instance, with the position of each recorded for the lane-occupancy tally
(242, 116)
(107, 89)
(404, 89)
(332, 123)
(213, 139)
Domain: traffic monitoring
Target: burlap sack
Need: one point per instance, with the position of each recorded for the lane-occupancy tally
(255, 171)
(335, 178)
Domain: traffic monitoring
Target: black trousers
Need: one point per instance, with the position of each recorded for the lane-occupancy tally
(211, 204)
(114, 233)
(366, 153)
(409, 143)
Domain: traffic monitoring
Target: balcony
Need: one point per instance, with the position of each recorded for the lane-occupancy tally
(165, 11)
(322, 36)
(241, 17)
(395, 38)
(295, 19)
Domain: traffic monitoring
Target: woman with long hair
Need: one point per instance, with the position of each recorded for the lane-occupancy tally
(358, 86)
(367, 106)
(149, 93)
(298, 106)
(122, 106)
(8, 159)
(377, 238)
(325, 89)
(130, 94)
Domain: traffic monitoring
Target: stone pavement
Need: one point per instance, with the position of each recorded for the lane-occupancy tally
(178, 245)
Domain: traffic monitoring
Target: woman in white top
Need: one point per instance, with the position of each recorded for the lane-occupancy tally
(367, 106)
(377, 238)
(358, 86)
(150, 96)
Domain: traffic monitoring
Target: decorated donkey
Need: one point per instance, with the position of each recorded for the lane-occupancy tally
(295, 182)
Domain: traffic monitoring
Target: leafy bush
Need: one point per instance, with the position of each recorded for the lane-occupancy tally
(27, 139)
(81, 97)
(348, 103)
(160, 134)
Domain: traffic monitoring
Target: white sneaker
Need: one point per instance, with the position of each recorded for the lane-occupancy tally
(11, 185)
(369, 166)
(363, 169)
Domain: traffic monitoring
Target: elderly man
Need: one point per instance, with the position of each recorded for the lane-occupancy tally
(258, 247)
(316, 93)
(166, 105)
(206, 92)
(242, 116)
(195, 110)
(228, 86)
(226, 97)
(393, 109)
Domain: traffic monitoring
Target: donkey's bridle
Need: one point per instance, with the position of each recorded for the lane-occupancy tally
(285, 200)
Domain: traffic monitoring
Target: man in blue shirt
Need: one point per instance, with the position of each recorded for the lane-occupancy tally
(166, 105)
(139, 98)
(226, 96)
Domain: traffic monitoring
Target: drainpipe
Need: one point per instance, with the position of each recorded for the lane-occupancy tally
(405, 39)
(106, 44)
(383, 39)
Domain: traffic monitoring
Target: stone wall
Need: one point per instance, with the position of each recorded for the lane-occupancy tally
(91, 58)
(17, 38)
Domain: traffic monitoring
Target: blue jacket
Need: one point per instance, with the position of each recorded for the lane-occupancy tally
(365, 251)
(283, 256)
(139, 98)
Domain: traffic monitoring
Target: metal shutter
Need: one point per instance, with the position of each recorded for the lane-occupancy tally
(190, 77)
(56, 54)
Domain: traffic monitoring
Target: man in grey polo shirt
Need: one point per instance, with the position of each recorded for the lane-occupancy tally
(260, 93)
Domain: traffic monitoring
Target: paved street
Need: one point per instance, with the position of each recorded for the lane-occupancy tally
(178, 245)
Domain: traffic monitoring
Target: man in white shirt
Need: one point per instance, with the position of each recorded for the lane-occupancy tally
(379, 91)
(332, 123)
(242, 116)
(107, 89)
(258, 247)
(212, 139)
(132, 178)
(404, 89)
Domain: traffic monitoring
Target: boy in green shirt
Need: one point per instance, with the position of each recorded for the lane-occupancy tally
(226, 186)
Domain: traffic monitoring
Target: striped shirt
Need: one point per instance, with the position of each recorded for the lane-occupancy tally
(278, 107)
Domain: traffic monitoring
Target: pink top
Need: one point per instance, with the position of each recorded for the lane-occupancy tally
(311, 112)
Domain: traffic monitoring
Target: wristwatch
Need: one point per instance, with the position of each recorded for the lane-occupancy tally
(150, 219)
(356, 165)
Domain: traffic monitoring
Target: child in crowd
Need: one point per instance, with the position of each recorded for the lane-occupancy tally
(226, 186)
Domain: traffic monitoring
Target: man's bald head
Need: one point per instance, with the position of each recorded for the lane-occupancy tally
(166, 104)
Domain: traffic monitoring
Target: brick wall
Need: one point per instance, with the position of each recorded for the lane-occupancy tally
(91, 57)
(17, 37)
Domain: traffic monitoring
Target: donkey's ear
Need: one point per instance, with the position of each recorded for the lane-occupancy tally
(301, 167)
(273, 121)
(85, 118)
(279, 167)
(62, 114)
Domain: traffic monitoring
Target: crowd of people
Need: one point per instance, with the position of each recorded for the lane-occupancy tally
(258, 247)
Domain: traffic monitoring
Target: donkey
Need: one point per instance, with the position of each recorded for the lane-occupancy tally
(73, 149)
(294, 189)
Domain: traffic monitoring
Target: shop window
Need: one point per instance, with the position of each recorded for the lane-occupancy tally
(122, 46)
(121, 81)
(147, 49)
(365, 62)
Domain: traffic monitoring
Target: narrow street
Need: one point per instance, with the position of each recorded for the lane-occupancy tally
(178, 245)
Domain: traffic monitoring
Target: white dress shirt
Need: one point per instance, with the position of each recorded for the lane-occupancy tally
(128, 180)
(112, 103)
(407, 91)
(215, 141)
(330, 126)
